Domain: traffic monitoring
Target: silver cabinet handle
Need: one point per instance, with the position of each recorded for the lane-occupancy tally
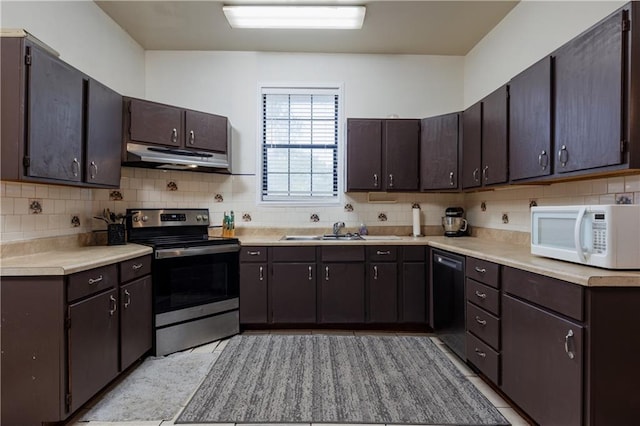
(128, 299)
(383, 253)
(254, 253)
(375, 272)
(136, 266)
(261, 273)
(93, 281)
(390, 180)
(94, 169)
(543, 159)
(476, 172)
(481, 321)
(75, 167)
(114, 305)
(451, 182)
(310, 273)
(563, 155)
(326, 273)
(174, 135)
(569, 335)
(480, 353)
(375, 180)
(481, 295)
(192, 137)
(485, 173)
(480, 270)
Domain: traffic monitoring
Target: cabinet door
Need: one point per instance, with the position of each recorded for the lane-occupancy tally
(206, 131)
(439, 152)
(55, 114)
(588, 87)
(495, 137)
(293, 293)
(104, 135)
(342, 293)
(414, 292)
(530, 147)
(542, 363)
(155, 123)
(253, 293)
(401, 154)
(471, 146)
(93, 346)
(383, 292)
(364, 155)
(135, 321)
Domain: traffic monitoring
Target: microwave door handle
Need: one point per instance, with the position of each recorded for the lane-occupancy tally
(577, 234)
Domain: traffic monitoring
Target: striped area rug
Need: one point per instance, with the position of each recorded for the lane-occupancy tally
(337, 379)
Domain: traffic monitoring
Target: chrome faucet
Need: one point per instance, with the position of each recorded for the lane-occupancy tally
(337, 227)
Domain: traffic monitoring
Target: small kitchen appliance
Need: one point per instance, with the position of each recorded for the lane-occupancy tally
(195, 277)
(607, 236)
(454, 223)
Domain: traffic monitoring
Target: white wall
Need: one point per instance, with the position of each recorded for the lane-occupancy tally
(374, 85)
(530, 31)
(85, 37)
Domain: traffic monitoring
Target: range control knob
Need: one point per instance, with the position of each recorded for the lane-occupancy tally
(145, 218)
(199, 218)
(205, 217)
(136, 218)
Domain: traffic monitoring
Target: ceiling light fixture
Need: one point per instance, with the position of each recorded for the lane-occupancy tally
(295, 17)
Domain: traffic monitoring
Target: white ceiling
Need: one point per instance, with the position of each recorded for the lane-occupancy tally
(393, 26)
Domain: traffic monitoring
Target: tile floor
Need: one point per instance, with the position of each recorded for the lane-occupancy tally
(503, 406)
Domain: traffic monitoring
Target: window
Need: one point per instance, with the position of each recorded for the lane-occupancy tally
(300, 133)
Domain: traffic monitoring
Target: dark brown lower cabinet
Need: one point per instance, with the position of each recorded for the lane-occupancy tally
(383, 292)
(93, 346)
(342, 293)
(542, 362)
(135, 320)
(414, 292)
(253, 293)
(293, 293)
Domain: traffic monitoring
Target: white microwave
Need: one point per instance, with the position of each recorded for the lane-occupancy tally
(606, 236)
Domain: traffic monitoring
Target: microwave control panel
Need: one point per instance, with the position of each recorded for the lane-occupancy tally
(599, 227)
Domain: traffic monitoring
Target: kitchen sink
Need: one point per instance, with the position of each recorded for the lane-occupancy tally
(326, 237)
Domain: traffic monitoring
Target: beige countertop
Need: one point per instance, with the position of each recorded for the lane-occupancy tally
(516, 256)
(69, 261)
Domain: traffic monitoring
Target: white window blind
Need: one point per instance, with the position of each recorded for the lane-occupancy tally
(300, 144)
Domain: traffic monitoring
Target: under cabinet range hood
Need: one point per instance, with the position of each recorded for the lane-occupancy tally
(158, 157)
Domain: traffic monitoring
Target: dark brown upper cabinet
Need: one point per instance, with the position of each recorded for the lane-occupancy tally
(530, 138)
(589, 86)
(485, 141)
(159, 124)
(58, 124)
(382, 155)
(439, 152)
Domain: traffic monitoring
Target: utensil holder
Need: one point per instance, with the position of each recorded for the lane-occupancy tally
(115, 234)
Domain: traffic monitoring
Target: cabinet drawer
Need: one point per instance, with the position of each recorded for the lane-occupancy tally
(484, 296)
(382, 253)
(92, 281)
(343, 254)
(253, 254)
(483, 271)
(294, 254)
(482, 356)
(560, 296)
(413, 254)
(135, 268)
(483, 325)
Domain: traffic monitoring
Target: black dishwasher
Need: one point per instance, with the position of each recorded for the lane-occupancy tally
(448, 299)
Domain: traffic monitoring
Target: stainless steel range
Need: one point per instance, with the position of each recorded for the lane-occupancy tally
(195, 277)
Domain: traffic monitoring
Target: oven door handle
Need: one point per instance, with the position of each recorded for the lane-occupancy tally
(196, 251)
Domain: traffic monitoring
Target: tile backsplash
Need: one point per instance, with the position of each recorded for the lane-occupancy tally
(29, 211)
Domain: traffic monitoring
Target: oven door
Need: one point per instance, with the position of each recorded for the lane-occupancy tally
(192, 276)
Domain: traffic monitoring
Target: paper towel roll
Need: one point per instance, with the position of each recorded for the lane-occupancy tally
(416, 222)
